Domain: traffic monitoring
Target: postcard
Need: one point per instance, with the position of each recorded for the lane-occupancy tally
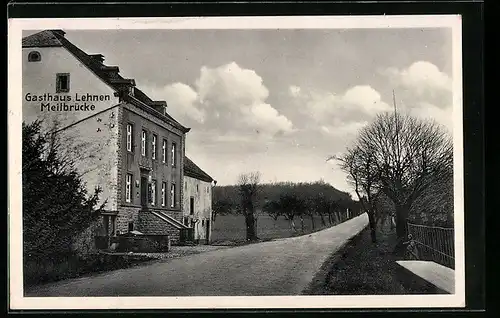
(236, 162)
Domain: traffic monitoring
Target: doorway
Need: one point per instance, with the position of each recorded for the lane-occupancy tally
(191, 205)
(144, 192)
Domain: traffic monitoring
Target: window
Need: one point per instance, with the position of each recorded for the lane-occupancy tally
(163, 193)
(208, 189)
(197, 189)
(62, 82)
(128, 188)
(143, 143)
(153, 149)
(185, 185)
(153, 192)
(172, 195)
(164, 151)
(130, 226)
(34, 56)
(173, 154)
(202, 223)
(130, 133)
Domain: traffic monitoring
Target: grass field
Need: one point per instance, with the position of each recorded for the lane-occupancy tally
(231, 228)
(364, 268)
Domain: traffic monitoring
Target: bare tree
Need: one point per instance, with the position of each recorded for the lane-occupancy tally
(248, 185)
(409, 155)
(310, 210)
(333, 211)
(223, 203)
(274, 210)
(292, 206)
(358, 163)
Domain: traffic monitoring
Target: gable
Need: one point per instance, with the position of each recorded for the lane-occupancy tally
(108, 74)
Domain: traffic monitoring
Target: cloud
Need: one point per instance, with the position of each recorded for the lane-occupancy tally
(425, 75)
(361, 101)
(365, 98)
(429, 111)
(424, 91)
(182, 100)
(228, 99)
(422, 80)
(294, 91)
(229, 84)
(347, 130)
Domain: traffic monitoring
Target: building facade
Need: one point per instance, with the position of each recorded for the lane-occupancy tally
(121, 140)
(197, 206)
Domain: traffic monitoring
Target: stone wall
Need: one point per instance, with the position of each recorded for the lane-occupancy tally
(126, 215)
(150, 224)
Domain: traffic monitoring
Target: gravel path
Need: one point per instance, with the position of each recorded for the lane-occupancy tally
(281, 267)
(180, 251)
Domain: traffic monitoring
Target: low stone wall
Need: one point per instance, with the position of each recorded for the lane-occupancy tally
(136, 244)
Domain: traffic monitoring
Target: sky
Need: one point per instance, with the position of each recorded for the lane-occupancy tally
(281, 101)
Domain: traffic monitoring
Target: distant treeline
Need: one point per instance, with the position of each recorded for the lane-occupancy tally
(227, 198)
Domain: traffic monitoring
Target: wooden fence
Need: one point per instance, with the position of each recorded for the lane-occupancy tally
(434, 243)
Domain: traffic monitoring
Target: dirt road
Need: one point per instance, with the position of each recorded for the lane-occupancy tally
(281, 267)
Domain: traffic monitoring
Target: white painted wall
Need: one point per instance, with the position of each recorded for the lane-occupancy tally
(201, 191)
(93, 142)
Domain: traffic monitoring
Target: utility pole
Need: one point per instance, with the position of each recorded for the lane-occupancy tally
(394, 102)
(398, 151)
(395, 115)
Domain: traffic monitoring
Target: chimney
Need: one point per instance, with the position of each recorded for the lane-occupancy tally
(97, 57)
(160, 106)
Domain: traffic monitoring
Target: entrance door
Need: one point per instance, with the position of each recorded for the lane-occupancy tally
(144, 191)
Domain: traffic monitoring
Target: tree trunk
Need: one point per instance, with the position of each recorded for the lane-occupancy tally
(251, 227)
(373, 226)
(382, 221)
(330, 218)
(322, 219)
(292, 225)
(312, 222)
(302, 223)
(401, 230)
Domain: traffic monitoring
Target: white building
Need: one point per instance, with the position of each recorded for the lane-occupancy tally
(197, 205)
(121, 140)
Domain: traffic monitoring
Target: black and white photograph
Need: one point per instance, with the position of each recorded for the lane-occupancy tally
(245, 162)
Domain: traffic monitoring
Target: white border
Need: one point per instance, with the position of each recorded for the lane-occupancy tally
(17, 301)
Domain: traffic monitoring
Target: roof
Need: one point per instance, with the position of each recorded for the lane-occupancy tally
(192, 170)
(109, 74)
(42, 39)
